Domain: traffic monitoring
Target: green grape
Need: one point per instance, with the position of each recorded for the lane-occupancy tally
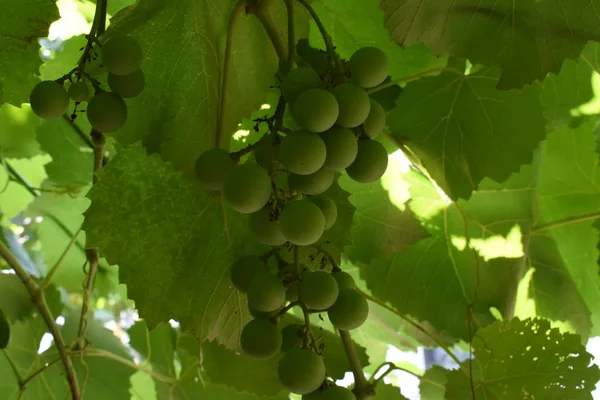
(336, 393)
(264, 153)
(299, 80)
(121, 55)
(328, 208)
(127, 86)
(292, 337)
(371, 162)
(265, 229)
(302, 222)
(341, 148)
(247, 188)
(244, 269)
(262, 314)
(312, 184)
(291, 293)
(266, 292)
(260, 339)
(354, 104)
(302, 152)
(369, 67)
(49, 99)
(344, 280)
(106, 112)
(212, 168)
(349, 311)
(318, 290)
(301, 371)
(375, 122)
(316, 110)
(79, 91)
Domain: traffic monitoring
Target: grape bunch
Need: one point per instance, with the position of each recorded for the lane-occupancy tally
(106, 111)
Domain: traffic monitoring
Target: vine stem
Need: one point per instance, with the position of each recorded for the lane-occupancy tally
(362, 389)
(412, 78)
(39, 299)
(391, 367)
(237, 11)
(291, 33)
(263, 11)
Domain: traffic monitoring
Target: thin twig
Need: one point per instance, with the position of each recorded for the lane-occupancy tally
(391, 367)
(78, 130)
(13, 367)
(20, 178)
(412, 78)
(48, 279)
(35, 374)
(362, 389)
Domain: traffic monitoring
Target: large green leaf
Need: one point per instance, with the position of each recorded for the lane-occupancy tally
(173, 243)
(22, 22)
(527, 39)
(525, 359)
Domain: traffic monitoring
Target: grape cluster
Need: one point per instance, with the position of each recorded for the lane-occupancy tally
(106, 111)
(284, 193)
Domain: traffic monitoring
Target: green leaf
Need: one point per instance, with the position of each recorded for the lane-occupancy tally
(14, 298)
(174, 260)
(4, 330)
(433, 383)
(514, 358)
(17, 132)
(464, 129)
(142, 387)
(177, 113)
(527, 40)
(388, 392)
(21, 24)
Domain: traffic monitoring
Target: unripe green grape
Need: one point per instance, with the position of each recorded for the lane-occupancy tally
(127, 86)
(370, 163)
(264, 153)
(369, 67)
(302, 152)
(121, 55)
(336, 393)
(312, 184)
(292, 337)
(344, 280)
(316, 110)
(302, 222)
(341, 148)
(262, 314)
(328, 208)
(49, 99)
(301, 371)
(375, 122)
(354, 104)
(318, 290)
(212, 168)
(265, 229)
(79, 91)
(349, 311)
(266, 292)
(106, 112)
(260, 339)
(299, 80)
(247, 188)
(291, 293)
(244, 270)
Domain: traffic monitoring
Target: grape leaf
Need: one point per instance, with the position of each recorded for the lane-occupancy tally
(527, 39)
(526, 359)
(433, 383)
(388, 392)
(174, 259)
(4, 331)
(19, 30)
(14, 298)
(142, 387)
(17, 132)
(464, 129)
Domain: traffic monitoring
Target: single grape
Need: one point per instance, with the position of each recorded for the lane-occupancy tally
(244, 269)
(291, 293)
(212, 168)
(292, 337)
(369, 67)
(264, 153)
(106, 112)
(370, 163)
(262, 314)
(301, 371)
(265, 229)
(302, 152)
(266, 292)
(341, 148)
(247, 188)
(302, 222)
(260, 339)
(336, 393)
(354, 104)
(328, 208)
(299, 80)
(318, 290)
(121, 55)
(316, 110)
(79, 91)
(312, 184)
(344, 280)
(349, 311)
(375, 122)
(127, 86)
(49, 99)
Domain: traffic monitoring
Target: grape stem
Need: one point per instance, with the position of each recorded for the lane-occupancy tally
(391, 367)
(362, 389)
(414, 77)
(98, 27)
(263, 10)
